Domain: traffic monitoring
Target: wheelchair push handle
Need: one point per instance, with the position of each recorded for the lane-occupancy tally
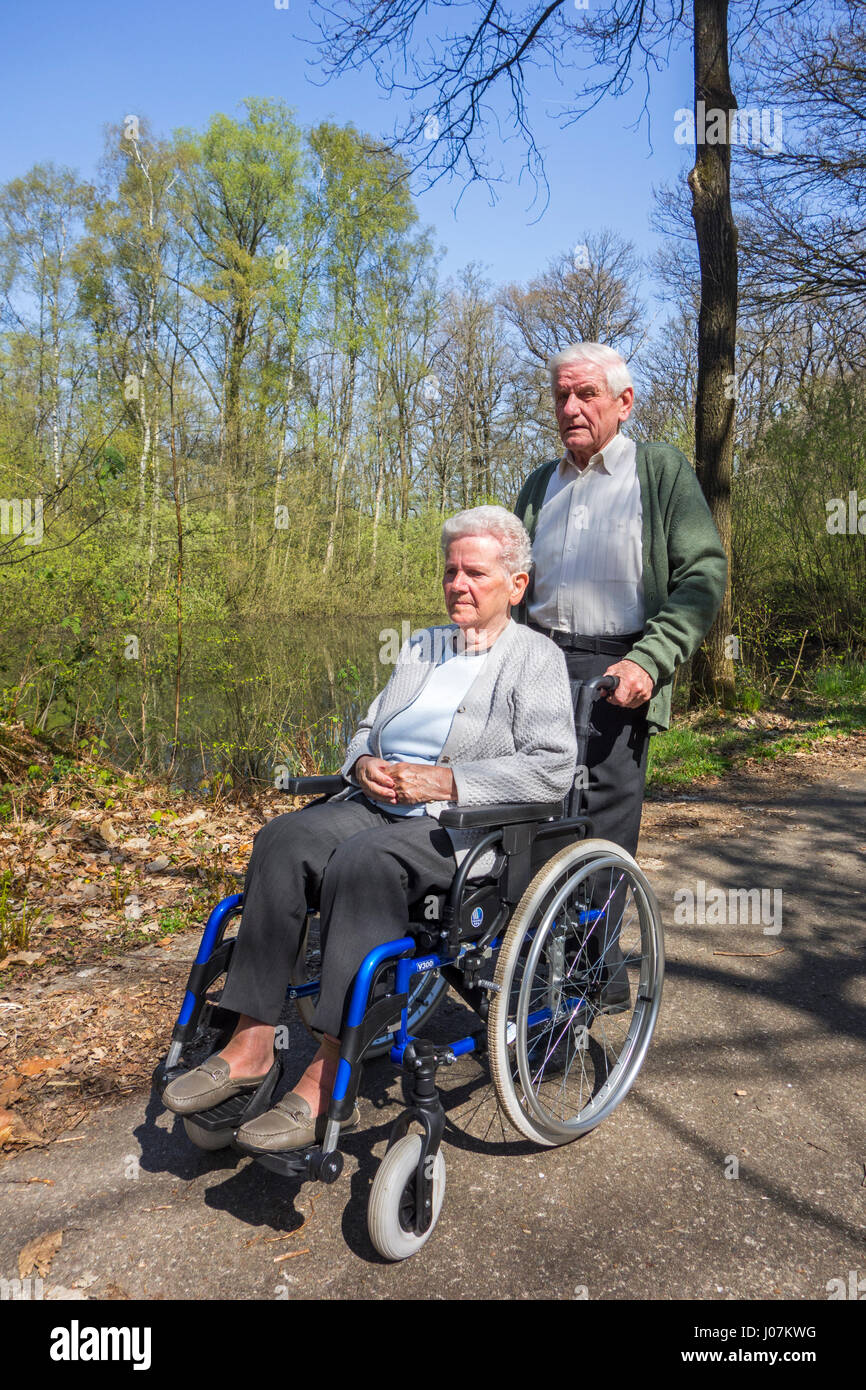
(600, 683)
(584, 694)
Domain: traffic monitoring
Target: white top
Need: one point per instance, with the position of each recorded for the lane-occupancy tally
(588, 546)
(417, 733)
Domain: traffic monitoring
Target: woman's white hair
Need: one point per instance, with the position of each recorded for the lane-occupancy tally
(616, 372)
(515, 547)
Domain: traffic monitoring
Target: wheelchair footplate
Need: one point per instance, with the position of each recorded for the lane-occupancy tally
(216, 1127)
(232, 1113)
(312, 1164)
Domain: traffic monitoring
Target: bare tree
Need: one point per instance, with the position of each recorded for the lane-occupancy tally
(803, 198)
(587, 293)
(451, 83)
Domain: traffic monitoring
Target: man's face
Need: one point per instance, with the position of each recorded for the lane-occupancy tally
(587, 414)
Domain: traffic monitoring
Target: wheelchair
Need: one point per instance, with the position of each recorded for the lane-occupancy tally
(559, 953)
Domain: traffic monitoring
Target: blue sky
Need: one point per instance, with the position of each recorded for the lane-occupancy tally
(68, 69)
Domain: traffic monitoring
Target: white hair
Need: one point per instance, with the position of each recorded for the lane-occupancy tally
(616, 372)
(515, 547)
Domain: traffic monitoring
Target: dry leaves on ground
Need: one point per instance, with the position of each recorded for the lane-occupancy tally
(38, 1254)
(35, 1066)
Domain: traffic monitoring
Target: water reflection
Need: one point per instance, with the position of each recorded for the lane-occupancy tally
(289, 691)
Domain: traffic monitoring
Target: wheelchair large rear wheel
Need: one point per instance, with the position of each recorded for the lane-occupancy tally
(426, 992)
(579, 976)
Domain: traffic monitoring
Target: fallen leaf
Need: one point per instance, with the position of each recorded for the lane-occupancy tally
(38, 1253)
(108, 833)
(164, 941)
(114, 1293)
(35, 1066)
(22, 958)
(9, 1088)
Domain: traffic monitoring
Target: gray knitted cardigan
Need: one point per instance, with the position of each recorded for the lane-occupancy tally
(512, 738)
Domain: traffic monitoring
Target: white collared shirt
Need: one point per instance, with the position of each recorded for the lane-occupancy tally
(588, 546)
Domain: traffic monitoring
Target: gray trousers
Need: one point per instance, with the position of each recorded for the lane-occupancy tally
(361, 867)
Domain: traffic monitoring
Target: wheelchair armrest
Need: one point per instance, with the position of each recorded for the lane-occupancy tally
(309, 786)
(509, 813)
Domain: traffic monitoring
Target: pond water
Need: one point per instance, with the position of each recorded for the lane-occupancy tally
(254, 697)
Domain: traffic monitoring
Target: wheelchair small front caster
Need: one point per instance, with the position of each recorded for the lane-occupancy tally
(391, 1213)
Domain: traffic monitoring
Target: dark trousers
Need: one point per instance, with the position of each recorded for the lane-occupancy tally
(616, 758)
(361, 867)
(616, 762)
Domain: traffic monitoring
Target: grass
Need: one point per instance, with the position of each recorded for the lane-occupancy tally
(170, 921)
(711, 742)
(14, 926)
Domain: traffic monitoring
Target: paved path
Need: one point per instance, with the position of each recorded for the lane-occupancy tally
(755, 1059)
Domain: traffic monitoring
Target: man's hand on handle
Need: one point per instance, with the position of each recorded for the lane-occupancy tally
(635, 685)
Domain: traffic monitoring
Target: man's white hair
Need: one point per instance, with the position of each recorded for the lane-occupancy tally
(515, 547)
(616, 372)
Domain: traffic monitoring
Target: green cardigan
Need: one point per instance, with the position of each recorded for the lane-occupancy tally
(684, 565)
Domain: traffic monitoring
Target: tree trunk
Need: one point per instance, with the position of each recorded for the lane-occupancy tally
(235, 454)
(715, 402)
(346, 419)
(380, 469)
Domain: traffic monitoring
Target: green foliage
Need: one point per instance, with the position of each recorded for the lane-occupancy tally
(14, 926)
(239, 389)
(845, 681)
(790, 567)
(714, 741)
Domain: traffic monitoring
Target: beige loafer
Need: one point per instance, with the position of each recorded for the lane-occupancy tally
(290, 1125)
(206, 1086)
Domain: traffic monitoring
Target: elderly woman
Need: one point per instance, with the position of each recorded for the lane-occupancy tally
(476, 712)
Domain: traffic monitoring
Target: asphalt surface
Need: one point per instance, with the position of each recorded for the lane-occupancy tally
(757, 1058)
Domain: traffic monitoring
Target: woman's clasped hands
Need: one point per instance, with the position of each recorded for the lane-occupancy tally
(404, 783)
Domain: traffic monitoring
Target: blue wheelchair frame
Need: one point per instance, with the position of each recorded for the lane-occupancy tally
(455, 949)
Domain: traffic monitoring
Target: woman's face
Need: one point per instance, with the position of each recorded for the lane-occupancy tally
(478, 593)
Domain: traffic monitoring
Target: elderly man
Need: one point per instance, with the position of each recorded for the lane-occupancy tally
(629, 573)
